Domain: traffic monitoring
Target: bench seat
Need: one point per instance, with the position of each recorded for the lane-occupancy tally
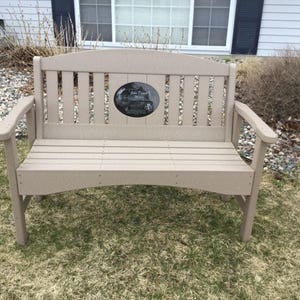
(60, 165)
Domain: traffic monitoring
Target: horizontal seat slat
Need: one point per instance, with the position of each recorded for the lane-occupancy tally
(139, 151)
(63, 161)
(128, 150)
(132, 156)
(202, 151)
(134, 143)
(73, 149)
(178, 167)
(174, 157)
(63, 155)
(202, 145)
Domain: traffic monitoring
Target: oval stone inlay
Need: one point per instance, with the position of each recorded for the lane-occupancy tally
(136, 99)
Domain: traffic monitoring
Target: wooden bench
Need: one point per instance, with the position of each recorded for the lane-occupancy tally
(189, 140)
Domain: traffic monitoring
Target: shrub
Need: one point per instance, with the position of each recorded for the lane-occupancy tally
(18, 50)
(271, 86)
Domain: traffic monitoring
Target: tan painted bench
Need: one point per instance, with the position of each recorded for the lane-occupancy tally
(190, 144)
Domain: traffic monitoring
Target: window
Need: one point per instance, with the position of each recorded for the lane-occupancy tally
(156, 21)
(175, 22)
(210, 22)
(95, 18)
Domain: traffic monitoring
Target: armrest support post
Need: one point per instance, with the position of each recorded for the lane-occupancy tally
(259, 155)
(237, 123)
(30, 119)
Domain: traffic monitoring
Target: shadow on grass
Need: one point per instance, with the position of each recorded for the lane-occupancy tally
(79, 218)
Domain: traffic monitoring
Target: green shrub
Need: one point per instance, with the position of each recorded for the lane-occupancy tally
(271, 86)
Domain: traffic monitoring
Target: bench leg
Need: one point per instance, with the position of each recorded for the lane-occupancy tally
(249, 205)
(19, 217)
(248, 217)
(17, 199)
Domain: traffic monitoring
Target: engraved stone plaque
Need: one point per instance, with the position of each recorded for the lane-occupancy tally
(136, 99)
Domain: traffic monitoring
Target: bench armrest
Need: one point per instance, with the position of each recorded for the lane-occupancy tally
(8, 125)
(266, 134)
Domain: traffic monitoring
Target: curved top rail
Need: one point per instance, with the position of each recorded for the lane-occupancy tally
(134, 61)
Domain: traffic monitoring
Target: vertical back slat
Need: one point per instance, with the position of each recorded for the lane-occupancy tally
(115, 82)
(136, 78)
(203, 100)
(174, 94)
(230, 103)
(98, 98)
(158, 82)
(217, 103)
(68, 96)
(52, 96)
(38, 96)
(83, 96)
(188, 100)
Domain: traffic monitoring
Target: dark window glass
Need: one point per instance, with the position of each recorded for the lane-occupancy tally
(104, 2)
(224, 3)
(88, 1)
(218, 36)
(104, 14)
(210, 22)
(96, 23)
(200, 36)
(202, 2)
(88, 14)
(89, 32)
(219, 17)
(201, 17)
(104, 32)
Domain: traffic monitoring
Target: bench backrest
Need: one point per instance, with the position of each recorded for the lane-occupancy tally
(75, 96)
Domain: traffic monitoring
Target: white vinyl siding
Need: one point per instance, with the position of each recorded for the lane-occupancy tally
(28, 19)
(280, 27)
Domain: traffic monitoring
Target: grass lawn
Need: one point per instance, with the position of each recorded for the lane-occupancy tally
(151, 242)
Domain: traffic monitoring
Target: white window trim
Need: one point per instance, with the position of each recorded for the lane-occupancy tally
(181, 48)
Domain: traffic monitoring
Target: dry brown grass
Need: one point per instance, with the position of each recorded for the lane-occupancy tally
(20, 47)
(151, 243)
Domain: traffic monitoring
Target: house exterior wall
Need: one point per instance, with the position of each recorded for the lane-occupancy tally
(280, 27)
(28, 19)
